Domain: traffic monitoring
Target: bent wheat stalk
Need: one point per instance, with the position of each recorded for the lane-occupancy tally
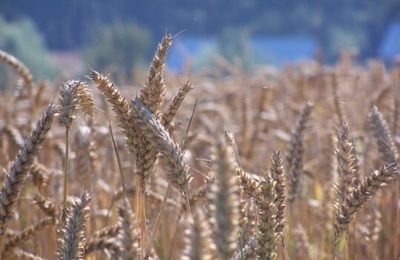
(178, 169)
(20, 68)
(73, 96)
(367, 188)
(14, 181)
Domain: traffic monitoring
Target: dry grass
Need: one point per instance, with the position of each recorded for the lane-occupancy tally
(303, 170)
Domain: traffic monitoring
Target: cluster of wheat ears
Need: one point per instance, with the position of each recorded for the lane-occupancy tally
(202, 176)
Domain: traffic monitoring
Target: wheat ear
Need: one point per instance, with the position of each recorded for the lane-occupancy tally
(248, 182)
(197, 238)
(121, 108)
(39, 174)
(26, 234)
(295, 154)
(278, 175)
(72, 240)
(176, 102)
(128, 233)
(266, 236)
(382, 134)
(23, 255)
(225, 201)
(72, 97)
(346, 161)
(153, 92)
(141, 149)
(248, 251)
(12, 185)
(103, 243)
(178, 170)
(45, 205)
(346, 211)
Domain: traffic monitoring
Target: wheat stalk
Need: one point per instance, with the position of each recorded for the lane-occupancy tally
(267, 224)
(382, 134)
(14, 181)
(153, 92)
(23, 255)
(198, 243)
(278, 175)
(175, 104)
(72, 239)
(178, 170)
(45, 205)
(224, 202)
(367, 188)
(295, 154)
(73, 96)
(25, 235)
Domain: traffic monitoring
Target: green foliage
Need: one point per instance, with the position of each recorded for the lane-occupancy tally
(22, 39)
(120, 46)
(340, 38)
(205, 59)
(233, 45)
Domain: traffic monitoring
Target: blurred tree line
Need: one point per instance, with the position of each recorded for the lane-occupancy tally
(335, 24)
(22, 39)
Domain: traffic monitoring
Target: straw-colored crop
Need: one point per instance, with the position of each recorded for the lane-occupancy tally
(292, 163)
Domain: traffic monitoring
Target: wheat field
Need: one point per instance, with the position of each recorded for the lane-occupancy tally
(291, 163)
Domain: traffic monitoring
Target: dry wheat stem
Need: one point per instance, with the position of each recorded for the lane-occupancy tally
(66, 167)
(121, 173)
(157, 221)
